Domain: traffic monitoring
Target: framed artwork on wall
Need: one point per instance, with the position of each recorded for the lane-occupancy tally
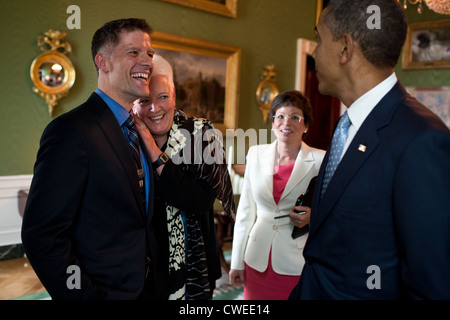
(427, 45)
(223, 7)
(437, 99)
(206, 76)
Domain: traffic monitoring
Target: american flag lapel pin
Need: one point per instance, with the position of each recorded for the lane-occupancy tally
(362, 148)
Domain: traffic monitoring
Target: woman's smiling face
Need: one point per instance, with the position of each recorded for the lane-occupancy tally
(289, 124)
(157, 110)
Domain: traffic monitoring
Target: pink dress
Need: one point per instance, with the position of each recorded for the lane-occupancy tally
(269, 285)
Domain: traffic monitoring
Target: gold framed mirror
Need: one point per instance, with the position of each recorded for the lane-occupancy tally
(52, 72)
(267, 90)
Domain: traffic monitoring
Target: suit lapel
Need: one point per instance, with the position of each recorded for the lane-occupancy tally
(267, 167)
(366, 138)
(303, 164)
(363, 144)
(114, 134)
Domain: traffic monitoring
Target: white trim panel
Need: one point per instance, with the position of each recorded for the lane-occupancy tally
(10, 217)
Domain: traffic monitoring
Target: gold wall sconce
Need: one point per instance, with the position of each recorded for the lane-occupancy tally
(52, 72)
(267, 90)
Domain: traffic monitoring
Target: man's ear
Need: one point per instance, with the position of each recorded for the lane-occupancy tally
(347, 49)
(101, 62)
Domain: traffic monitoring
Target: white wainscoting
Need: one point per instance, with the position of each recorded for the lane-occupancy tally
(10, 217)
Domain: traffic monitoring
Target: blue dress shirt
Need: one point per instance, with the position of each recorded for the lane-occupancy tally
(122, 115)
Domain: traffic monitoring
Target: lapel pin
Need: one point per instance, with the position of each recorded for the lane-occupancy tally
(362, 148)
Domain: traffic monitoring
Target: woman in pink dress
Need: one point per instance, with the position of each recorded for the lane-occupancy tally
(265, 257)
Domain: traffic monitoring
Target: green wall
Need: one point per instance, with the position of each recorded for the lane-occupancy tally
(265, 30)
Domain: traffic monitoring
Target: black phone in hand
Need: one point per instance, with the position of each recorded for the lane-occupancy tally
(305, 199)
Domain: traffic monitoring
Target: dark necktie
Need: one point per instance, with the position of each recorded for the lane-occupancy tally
(337, 146)
(133, 142)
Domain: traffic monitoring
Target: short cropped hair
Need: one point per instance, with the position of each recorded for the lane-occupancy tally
(161, 67)
(295, 99)
(109, 33)
(382, 46)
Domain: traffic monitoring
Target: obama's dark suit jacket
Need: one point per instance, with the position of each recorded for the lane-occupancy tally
(382, 228)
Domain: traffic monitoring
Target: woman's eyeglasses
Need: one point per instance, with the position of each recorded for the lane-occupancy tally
(281, 117)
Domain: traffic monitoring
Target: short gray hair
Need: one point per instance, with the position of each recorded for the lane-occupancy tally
(161, 67)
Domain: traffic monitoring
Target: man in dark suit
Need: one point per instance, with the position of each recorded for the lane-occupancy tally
(380, 228)
(87, 228)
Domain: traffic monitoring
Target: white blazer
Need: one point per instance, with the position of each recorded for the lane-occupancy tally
(256, 230)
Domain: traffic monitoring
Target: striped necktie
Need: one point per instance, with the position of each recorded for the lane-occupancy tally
(133, 142)
(337, 147)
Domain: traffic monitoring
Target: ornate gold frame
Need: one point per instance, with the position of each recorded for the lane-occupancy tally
(230, 53)
(54, 55)
(267, 90)
(409, 60)
(228, 9)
